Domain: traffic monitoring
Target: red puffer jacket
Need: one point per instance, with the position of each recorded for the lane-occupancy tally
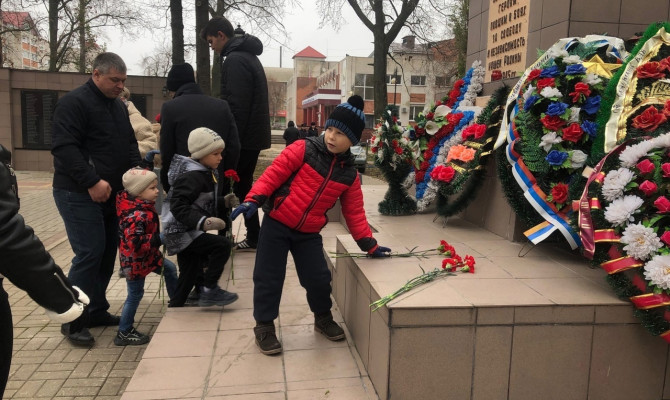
(139, 236)
(304, 182)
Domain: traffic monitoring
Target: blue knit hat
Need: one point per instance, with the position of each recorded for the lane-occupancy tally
(349, 118)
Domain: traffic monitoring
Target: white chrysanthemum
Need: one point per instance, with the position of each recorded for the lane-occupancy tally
(662, 140)
(615, 183)
(529, 92)
(591, 79)
(549, 140)
(441, 111)
(577, 159)
(409, 181)
(432, 127)
(558, 53)
(621, 210)
(632, 154)
(641, 241)
(550, 92)
(572, 59)
(574, 114)
(657, 270)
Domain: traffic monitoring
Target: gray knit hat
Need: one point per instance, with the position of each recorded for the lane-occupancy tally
(136, 180)
(204, 141)
(349, 118)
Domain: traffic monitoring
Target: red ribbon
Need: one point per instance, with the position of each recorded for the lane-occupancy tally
(650, 300)
(621, 264)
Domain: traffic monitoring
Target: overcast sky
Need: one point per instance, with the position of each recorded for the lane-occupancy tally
(353, 38)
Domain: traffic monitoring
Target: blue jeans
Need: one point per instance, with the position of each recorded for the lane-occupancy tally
(93, 231)
(136, 292)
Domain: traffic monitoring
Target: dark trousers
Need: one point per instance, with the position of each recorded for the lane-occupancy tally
(93, 231)
(275, 241)
(245, 171)
(6, 338)
(210, 251)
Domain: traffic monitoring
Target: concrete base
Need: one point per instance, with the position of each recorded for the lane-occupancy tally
(541, 325)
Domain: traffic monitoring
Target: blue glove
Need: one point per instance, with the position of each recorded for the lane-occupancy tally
(380, 251)
(247, 208)
(149, 157)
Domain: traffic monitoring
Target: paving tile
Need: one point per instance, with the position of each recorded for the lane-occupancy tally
(306, 365)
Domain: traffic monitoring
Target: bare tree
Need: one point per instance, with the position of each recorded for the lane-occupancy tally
(276, 98)
(14, 23)
(458, 20)
(384, 19)
(158, 63)
(202, 48)
(177, 25)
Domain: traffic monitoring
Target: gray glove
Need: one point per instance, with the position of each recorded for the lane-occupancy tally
(231, 201)
(213, 224)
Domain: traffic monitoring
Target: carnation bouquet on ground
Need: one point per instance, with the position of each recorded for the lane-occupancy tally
(465, 163)
(551, 133)
(392, 154)
(437, 131)
(625, 226)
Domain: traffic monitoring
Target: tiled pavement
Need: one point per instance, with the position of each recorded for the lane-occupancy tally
(194, 353)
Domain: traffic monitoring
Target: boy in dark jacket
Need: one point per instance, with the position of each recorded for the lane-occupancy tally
(26, 263)
(300, 186)
(139, 248)
(192, 206)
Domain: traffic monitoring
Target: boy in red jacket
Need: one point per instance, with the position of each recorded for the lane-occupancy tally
(139, 248)
(297, 190)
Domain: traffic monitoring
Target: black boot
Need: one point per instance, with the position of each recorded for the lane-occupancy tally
(266, 338)
(324, 324)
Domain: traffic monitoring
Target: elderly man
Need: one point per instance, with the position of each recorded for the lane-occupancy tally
(93, 144)
(245, 88)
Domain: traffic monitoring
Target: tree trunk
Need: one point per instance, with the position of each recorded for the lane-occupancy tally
(81, 20)
(53, 35)
(201, 47)
(2, 59)
(379, 68)
(177, 26)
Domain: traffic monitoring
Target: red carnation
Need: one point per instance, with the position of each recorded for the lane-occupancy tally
(398, 150)
(666, 170)
(662, 204)
(419, 175)
(442, 173)
(573, 132)
(581, 88)
(651, 69)
(649, 120)
(560, 193)
(552, 122)
(645, 166)
(476, 130)
(545, 82)
(534, 74)
(231, 173)
(648, 187)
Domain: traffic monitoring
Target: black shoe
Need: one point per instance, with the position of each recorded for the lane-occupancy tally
(266, 338)
(216, 296)
(79, 338)
(245, 245)
(325, 325)
(106, 320)
(194, 295)
(130, 338)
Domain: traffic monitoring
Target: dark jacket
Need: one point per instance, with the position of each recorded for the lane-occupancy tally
(245, 87)
(191, 109)
(25, 261)
(304, 182)
(92, 139)
(189, 202)
(139, 236)
(291, 134)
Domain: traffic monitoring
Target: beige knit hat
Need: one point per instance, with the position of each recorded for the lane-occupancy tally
(136, 180)
(204, 141)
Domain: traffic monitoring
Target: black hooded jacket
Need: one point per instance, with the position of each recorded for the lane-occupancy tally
(245, 87)
(190, 109)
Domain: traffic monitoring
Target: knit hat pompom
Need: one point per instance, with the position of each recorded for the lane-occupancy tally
(204, 141)
(136, 180)
(349, 118)
(180, 74)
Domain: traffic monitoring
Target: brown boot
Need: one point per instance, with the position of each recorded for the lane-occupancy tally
(325, 324)
(266, 338)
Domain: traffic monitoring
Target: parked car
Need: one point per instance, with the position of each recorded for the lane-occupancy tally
(360, 158)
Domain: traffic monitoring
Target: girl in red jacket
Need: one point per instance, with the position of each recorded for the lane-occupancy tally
(139, 248)
(297, 190)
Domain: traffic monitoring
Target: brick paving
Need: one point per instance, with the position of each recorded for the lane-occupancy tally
(45, 364)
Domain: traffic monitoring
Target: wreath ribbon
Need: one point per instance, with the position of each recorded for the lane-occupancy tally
(621, 264)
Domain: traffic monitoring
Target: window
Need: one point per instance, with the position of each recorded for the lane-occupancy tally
(364, 86)
(389, 79)
(418, 80)
(414, 111)
(441, 81)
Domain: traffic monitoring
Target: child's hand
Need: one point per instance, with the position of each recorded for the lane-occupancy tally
(231, 201)
(248, 208)
(379, 251)
(213, 224)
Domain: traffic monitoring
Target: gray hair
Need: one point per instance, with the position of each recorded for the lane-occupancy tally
(106, 61)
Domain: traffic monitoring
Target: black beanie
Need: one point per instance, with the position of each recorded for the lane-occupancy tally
(179, 75)
(349, 118)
